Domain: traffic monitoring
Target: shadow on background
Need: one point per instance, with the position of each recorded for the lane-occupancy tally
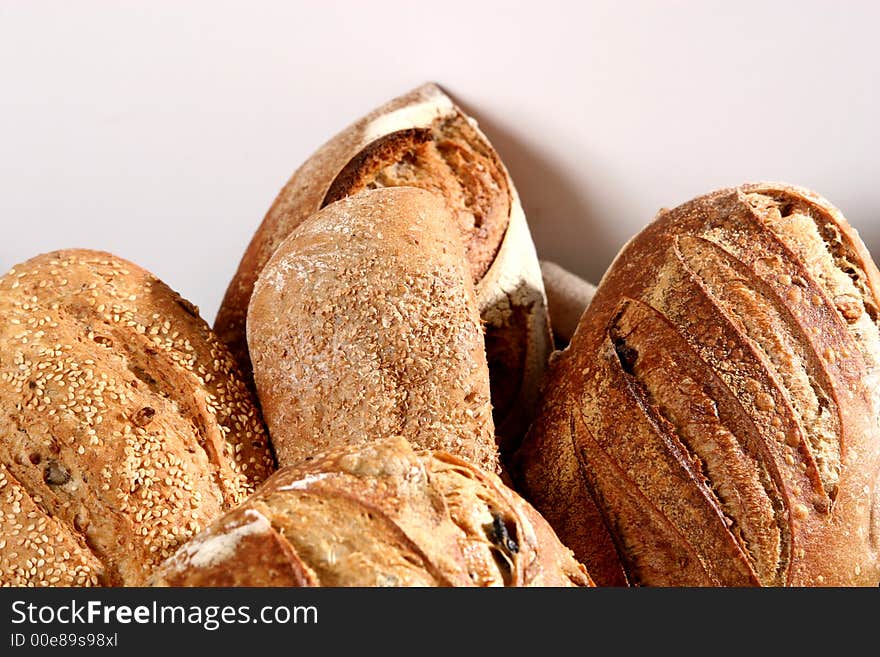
(572, 227)
(566, 226)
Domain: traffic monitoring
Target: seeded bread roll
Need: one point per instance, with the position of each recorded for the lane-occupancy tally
(364, 323)
(423, 140)
(125, 427)
(715, 419)
(378, 515)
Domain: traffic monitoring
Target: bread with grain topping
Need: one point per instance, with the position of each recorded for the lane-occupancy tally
(364, 322)
(125, 426)
(379, 514)
(423, 140)
(715, 419)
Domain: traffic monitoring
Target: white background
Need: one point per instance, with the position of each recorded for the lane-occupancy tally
(162, 131)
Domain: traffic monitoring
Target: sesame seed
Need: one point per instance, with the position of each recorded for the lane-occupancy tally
(90, 408)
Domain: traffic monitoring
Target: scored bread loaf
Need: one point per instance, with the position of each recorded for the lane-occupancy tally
(423, 140)
(715, 418)
(364, 323)
(377, 515)
(125, 427)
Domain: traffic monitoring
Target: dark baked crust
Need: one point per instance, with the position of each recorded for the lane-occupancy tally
(718, 402)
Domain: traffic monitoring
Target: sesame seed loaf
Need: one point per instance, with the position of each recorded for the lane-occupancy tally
(364, 322)
(377, 515)
(715, 419)
(125, 427)
(423, 140)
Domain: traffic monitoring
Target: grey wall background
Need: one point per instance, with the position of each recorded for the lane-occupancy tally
(162, 131)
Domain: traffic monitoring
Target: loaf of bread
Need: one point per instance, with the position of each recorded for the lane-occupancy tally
(714, 420)
(377, 515)
(423, 140)
(363, 323)
(125, 427)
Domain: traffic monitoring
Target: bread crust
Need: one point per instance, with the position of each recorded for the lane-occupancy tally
(422, 139)
(364, 322)
(126, 426)
(378, 515)
(718, 404)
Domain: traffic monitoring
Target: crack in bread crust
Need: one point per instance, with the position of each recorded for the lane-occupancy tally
(723, 448)
(771, 330)
(837, 267)
(449, 159)
(645, 555)
(769, 286)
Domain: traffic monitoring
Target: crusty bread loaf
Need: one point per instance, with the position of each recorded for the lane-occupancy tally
(714, 420)
(378, 515)
(423, 140)
(125, 427)
(364, 323)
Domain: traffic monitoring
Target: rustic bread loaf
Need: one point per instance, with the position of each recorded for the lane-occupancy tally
(365, 323)
(423, 140)
(377, 515)
(125, 427)
(715, 419)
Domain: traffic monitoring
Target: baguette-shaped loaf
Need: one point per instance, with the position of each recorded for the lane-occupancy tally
(365, 323)
(423, 140)
(378, 515)
(714, 420)
(125, 427)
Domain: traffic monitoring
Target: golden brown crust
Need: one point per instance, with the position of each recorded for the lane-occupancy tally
(721, 401)
(126, 426)
(423, 140)
(381, 149)
(365, 323)
(35, 548)
(380, 515)
(454, 162)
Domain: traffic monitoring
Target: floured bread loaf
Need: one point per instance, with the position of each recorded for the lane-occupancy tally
(365, 323)
(715, 418)
(423, 140)
(125, 427)
(378, 515)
